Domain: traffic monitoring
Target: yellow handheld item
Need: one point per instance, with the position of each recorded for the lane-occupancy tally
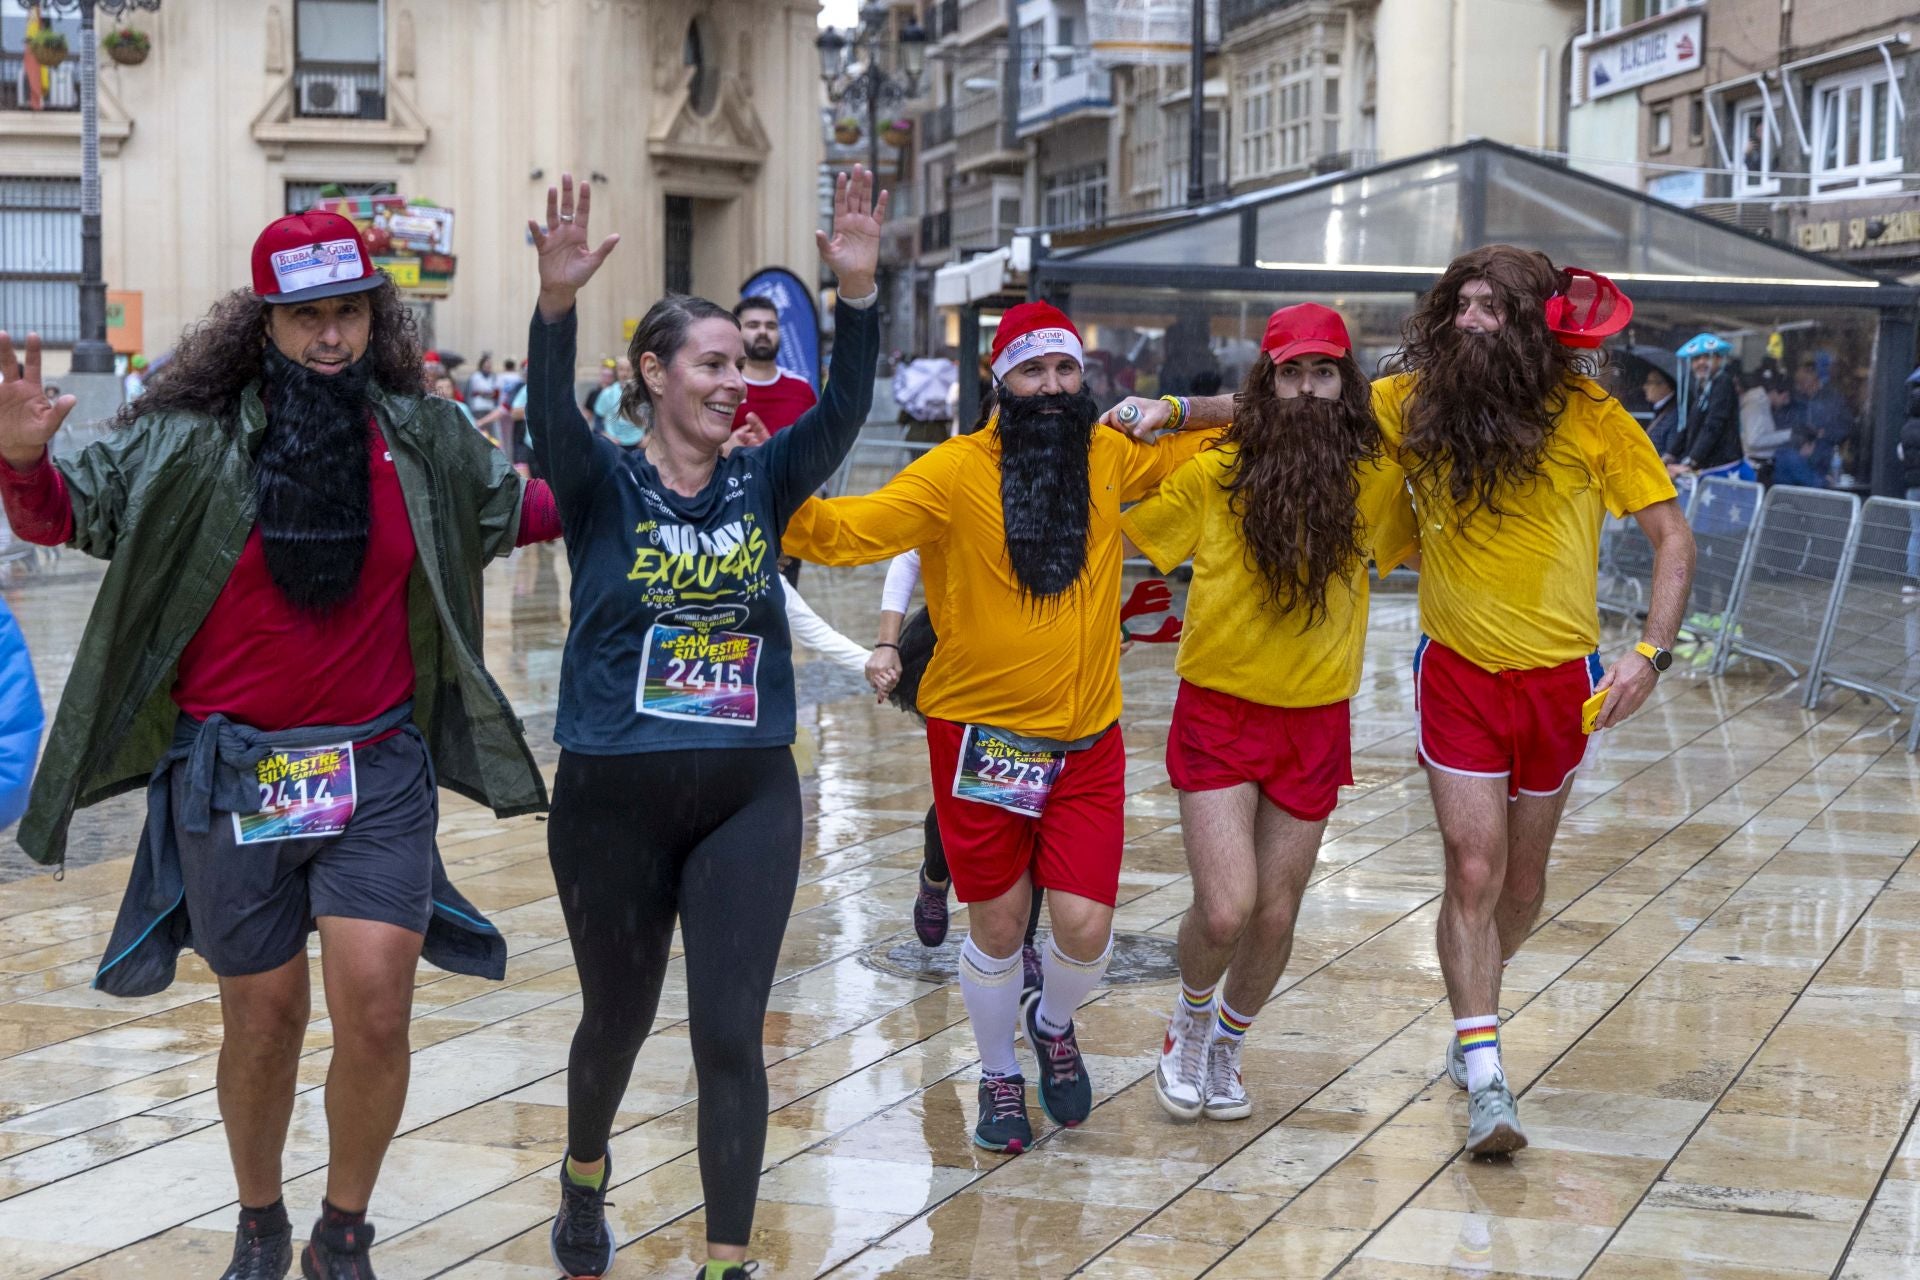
(1590, 711)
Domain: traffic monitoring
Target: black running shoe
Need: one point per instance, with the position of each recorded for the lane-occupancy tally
(1003, 1115)
(1066, 1090)
(582, 1241)
(738, 1271)
(338, 1253)
(930, 913)
(262, 1246)
(1030, 971)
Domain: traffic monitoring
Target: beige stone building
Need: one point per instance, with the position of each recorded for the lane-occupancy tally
(697, 120)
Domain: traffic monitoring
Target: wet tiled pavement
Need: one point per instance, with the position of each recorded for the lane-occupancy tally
(1716, 1029)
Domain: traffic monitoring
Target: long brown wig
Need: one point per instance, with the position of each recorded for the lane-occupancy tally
(1295, 485)
(1483, 406)
(218, 357)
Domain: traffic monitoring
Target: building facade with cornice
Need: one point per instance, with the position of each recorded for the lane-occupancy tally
(697, 121)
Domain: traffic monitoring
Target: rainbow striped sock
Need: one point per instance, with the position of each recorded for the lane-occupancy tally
(1480, 1045)
(1198, 1004)
(1230, 1026)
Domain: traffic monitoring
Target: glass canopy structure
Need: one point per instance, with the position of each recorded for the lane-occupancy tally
(1189, 298)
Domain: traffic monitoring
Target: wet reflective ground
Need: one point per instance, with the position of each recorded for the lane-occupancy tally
(1717, 1030)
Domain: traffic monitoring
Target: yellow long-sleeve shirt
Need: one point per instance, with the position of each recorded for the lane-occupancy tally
(1047, 669)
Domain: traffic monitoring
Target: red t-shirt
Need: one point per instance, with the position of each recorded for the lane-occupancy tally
(779, 402)
(261, 662)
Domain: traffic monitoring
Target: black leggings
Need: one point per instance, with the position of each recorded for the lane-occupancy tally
(933, 861)
(714, 837)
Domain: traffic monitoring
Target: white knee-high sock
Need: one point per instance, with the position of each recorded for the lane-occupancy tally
(1065, 982)
(991, 989)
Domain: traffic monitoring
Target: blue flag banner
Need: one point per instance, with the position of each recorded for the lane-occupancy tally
(799, 320)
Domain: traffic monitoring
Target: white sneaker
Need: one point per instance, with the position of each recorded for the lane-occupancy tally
(1226, 1093)
(1178, 1080)
(1456, 1062)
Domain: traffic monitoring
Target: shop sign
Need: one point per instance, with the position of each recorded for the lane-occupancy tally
(1644, 53)
(1864, 229)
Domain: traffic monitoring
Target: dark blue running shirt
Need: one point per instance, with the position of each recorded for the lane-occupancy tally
(679, 632)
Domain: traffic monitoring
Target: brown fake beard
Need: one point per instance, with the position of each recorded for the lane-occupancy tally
(1481, 413)
(1046, 497)
(1295, 486)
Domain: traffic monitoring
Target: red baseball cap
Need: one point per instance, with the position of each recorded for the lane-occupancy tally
(1588, 310)
(1307, 329)
(310, 255)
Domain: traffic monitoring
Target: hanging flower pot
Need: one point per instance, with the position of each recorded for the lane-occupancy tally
(126, 46)
(846, 131)
(897, 132)
(48, 47)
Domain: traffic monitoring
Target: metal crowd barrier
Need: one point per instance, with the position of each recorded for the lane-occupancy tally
(1788, 584)
(1723, 515)
(1873, 641)
(1626, 559)
(876, 457)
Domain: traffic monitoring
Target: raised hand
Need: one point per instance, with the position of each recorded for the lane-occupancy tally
(567, 258)
(28, 420)
(853, 250)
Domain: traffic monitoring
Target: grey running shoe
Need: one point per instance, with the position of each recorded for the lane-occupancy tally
(1493, 1121)
(1226, 1093)
(1456, 1062)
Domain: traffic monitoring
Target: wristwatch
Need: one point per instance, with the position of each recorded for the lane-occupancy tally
(1660, 658)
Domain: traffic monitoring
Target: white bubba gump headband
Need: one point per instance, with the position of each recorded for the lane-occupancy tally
(1034, 329)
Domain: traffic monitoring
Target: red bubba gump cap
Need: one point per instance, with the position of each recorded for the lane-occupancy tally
(1588, 310)
(1307, 329)
(310, 255)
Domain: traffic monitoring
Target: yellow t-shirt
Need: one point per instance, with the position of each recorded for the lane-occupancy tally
(1049, 670)
(1520, 590)
(1235, 641)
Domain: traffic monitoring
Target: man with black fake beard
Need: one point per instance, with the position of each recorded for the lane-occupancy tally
(1515, 457)
(290, 626)
(1018, 528)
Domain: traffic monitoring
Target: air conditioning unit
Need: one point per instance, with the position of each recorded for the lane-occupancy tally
(329, 96)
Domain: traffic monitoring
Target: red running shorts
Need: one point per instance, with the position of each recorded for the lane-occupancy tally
(1073, 846)
(1523, 726)
(1299, 757)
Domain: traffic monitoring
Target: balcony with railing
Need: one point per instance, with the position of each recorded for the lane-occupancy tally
(943, 19)
(1235, 14)
(339, 91)
(981, 18)
(936, 128)
(979, 133)
(985, 214)
(1079, 88)
(936, 231)
(61, 94)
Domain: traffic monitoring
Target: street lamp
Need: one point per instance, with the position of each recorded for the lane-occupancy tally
(91, 354)
(876, 69)
(873, 71)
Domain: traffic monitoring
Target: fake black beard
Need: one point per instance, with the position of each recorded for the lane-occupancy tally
(1045, 498)
(312, 485)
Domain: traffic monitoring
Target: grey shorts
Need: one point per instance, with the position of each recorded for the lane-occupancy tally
(252, 906)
